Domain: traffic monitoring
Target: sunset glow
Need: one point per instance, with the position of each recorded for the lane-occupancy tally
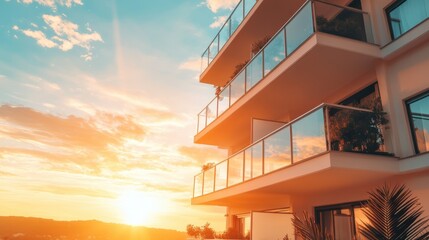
(97, 115)
(138, 208)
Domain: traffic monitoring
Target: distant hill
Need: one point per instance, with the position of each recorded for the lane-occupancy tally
(24, 228)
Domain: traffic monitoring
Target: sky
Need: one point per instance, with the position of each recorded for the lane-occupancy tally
(98, 109)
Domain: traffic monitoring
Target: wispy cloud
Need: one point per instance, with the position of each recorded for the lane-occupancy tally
(88, 143)
(215, 5)
(40, 37)
(66, 35)
(193, 64)
(202, 155)
(72, 190)
(6, 174)
(53, 3)
(218, 21)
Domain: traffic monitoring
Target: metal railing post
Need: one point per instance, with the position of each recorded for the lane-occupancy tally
(327, 128)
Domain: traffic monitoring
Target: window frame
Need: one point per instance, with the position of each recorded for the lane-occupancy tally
(410, 118)
(347, 205)
(393, 5)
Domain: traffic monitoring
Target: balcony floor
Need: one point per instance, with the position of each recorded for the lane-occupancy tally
(325, 172)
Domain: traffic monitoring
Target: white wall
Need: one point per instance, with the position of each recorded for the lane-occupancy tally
(260, 128)
(271, 226)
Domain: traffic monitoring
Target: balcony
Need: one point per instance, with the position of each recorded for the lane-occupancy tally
(250, 21)
(231, 24)
(337, 141)
(334, 41)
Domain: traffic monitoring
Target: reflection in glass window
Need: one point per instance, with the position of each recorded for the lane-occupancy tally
(407, 14)
(342, 221)
(418, 110)
(277, 150)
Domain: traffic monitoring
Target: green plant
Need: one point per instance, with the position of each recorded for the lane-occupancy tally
(394, 214)
(307, 229)
(238, 68)
(258, 45)
(351, 26)
(207, 166)
(353, 130)
(203, 232)
(231, 233)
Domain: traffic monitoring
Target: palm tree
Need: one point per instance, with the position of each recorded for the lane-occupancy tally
(394, 214)
(308, 229)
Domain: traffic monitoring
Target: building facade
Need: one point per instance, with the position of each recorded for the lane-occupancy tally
(318, 102)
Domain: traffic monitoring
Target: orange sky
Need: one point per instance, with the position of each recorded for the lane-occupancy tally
(98, 109)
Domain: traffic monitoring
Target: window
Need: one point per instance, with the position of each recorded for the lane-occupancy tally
(403, 15)
(243, 225)
(342, 221)
(418, 112)
(365, 98)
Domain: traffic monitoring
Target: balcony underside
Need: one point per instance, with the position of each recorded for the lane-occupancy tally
(325, 172)
(320, 67)
(265, 20)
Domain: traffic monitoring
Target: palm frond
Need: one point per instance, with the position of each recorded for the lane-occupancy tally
(308, 229)
(394, 214)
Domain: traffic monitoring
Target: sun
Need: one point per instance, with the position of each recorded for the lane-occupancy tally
(137, 208)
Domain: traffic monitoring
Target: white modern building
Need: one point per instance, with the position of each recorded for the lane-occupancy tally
(300, 117)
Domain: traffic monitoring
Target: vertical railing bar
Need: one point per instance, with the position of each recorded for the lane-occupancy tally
(202, 191)
(227, 172)
(244, 10)
(263, 65)
(193, 189)
(285, 41)
(214, 179)
(313, 10)
(263, 156)
(327, 128)
(206, 116)
(229, 95)
(291, 143)
(218, 43)
(251, 162)
(244, 166)
(245, 79)
(217, 106)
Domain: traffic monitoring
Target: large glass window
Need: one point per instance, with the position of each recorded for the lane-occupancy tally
(342, 221)
(418, 111)
(403, 15)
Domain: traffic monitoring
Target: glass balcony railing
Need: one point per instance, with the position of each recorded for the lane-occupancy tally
(234, 20)
(405, 15)
(326, 128)
(312, 16)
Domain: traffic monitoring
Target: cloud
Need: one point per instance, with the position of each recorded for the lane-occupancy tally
(218, 21)
(42, 40)
(71, 190)
(71, 131)
(215, 5)
(66, 35)
(6, 174)
(53, 3)
(193, 64)
(201, 155)
(68, 142)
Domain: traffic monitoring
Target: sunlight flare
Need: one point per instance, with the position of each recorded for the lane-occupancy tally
(138, 208)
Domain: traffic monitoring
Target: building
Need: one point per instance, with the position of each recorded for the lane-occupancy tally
(300, 117)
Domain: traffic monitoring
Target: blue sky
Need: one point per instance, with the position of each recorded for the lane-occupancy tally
(99, 99)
